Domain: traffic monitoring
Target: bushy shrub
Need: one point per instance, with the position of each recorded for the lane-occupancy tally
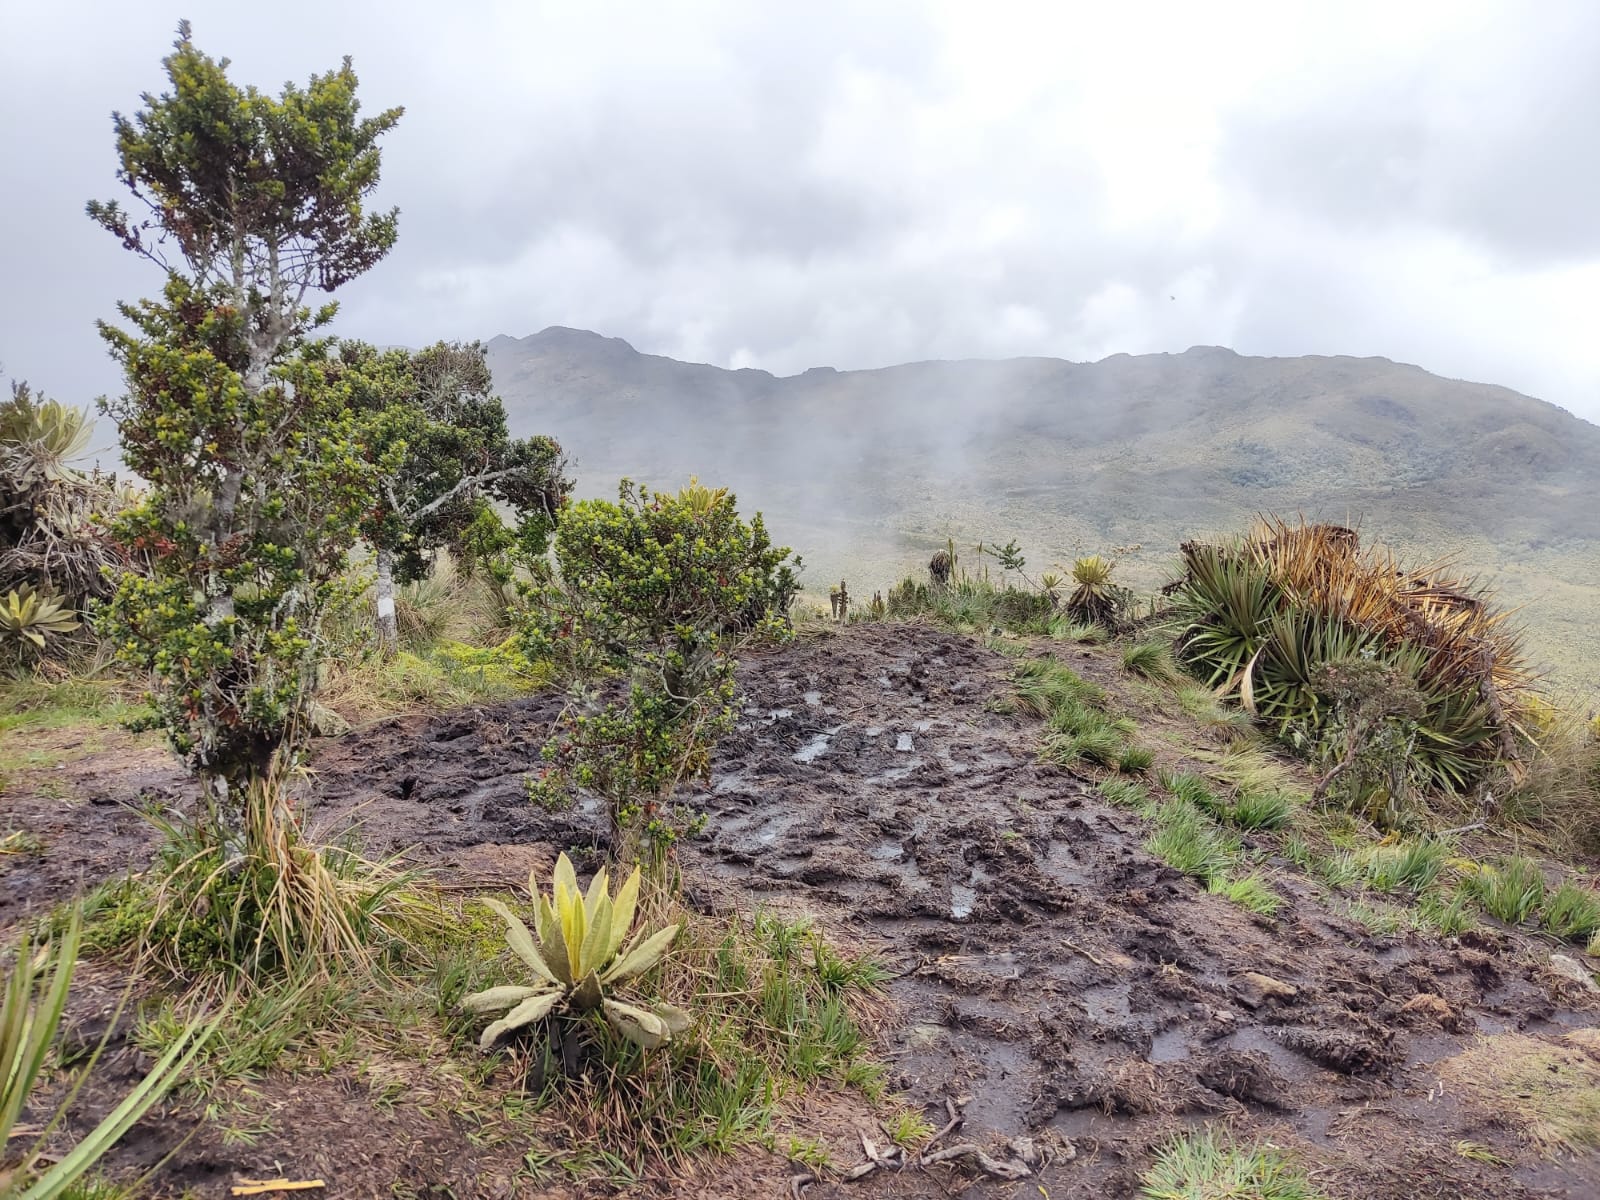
(660, 590)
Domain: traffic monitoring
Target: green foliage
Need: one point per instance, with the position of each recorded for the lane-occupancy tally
(1096, 599)
(1127, 793)
(1206, 1166)
(1511, 890)
(579, 959)
(28, 618)
(1572, 912)
(1410, 866)
(1251, 892)
(1188, 842)
(1153, 660)
(664, 589)
(1136, 760)
(255, 904)
(1045, 686)
(1262, 617)
(434, 424)
(35, 998)
(53, 535)
(237, 419)
(1253, 809)
(1450, 915)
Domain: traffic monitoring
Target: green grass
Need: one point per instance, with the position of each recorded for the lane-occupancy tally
(1125, 793)
(1065, 629)
(1341, 869)
(1261, 810)
(1210, 1166)
(1043, 686)
(1153, 660)
(1411, 866)
(1192, 789)
(1510, 891)
(1202, 706)
(1103, 746)
(1450, 915)
(909, 1128)
(1136, 760)
(1379, 920)
(1186, 841)
(1251, 892)
(1571, 913)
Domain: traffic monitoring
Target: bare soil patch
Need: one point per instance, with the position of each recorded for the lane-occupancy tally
(1050, 976)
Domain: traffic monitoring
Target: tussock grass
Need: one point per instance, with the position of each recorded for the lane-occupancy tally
(1186, 841)
(1251, 892)
(1153, 660)
(1379, 920)
(1065, 629)
(1044, 686)
(1512, 890)
(1450, 915)
(1572, 913)
(1202, 706)
(1341, 869)
(1136, 760)
(1126, 793)
(1261, 810)
(1408, 866)
(1549, 1091)
(1210, 1166)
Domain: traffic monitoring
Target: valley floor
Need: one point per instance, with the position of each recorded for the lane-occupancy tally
(1077, 999)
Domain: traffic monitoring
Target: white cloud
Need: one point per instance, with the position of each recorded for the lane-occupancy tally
(859, 184)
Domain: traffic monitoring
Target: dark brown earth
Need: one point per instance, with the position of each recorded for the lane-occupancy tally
(1051, 978)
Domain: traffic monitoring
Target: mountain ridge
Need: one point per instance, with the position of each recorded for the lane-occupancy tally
(866, 470)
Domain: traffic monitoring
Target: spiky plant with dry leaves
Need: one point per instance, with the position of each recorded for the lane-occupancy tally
(1260, 613)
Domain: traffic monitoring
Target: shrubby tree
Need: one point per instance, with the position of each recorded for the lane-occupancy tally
(434, 424)
(236, 415)
(663, 590)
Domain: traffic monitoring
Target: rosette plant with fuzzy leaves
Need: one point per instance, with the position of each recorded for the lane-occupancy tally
(578, 959)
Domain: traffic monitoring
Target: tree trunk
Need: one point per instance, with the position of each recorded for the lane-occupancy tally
(388, 627)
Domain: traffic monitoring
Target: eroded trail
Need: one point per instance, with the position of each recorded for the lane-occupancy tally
(1051, 975)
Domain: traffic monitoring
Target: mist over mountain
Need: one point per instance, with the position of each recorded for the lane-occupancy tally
(864, 472)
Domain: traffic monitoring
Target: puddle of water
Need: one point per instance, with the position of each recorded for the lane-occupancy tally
(1106, 1005)
(887, 850)
(1168, 1047)
(1063, 866)
(730, 783)
(961, 901)
(903, 743)
(883, 681)
(893, 774)
(779, 714)
(923, 726)
(874, 731)
(813, 698)
(812, 749)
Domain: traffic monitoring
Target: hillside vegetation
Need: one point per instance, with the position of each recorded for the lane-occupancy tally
(871, 470)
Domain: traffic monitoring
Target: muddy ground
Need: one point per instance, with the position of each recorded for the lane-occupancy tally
(1050, 977)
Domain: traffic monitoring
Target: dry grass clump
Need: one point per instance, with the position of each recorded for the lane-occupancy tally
(1548, 1091)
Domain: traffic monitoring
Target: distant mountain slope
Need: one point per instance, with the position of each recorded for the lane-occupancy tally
(866, 470)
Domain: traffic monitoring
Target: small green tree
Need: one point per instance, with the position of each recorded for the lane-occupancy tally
(236, 417)
(432, 417)
(663, 590)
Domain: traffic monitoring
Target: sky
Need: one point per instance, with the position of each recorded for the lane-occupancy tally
(865, 183)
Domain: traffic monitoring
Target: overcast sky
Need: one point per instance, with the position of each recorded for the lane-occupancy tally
(859, 184)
